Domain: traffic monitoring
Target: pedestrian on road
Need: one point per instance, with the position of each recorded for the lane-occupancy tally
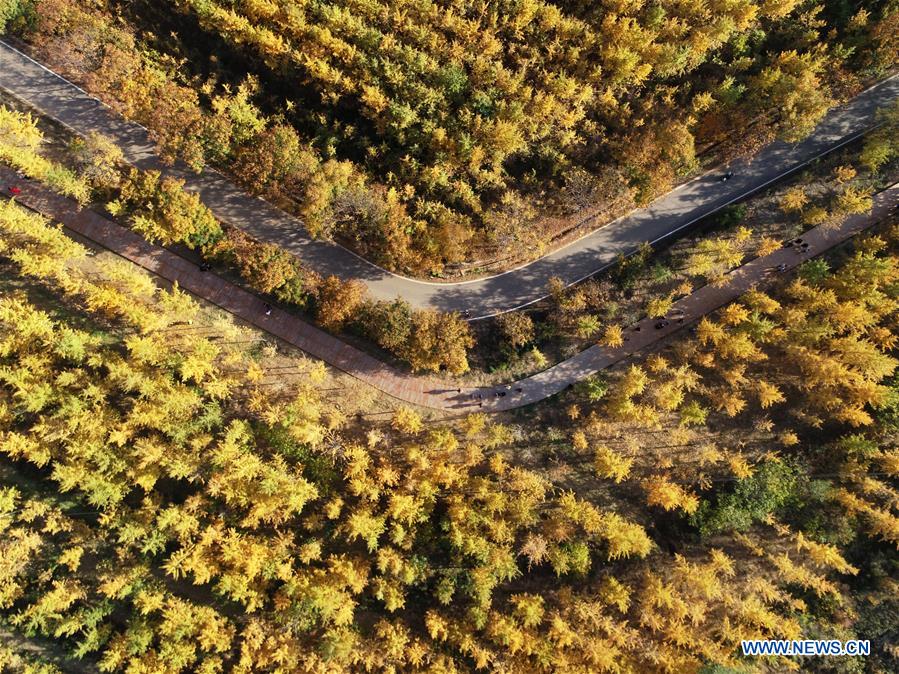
(204, 266)
(466, 314)
(14, 190)
(268, 309)
(782, 267)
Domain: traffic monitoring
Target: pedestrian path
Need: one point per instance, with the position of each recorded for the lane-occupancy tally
(423, 390)
(666, 217)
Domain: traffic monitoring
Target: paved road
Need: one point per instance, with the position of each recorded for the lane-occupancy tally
(664, 218)
(429, 391)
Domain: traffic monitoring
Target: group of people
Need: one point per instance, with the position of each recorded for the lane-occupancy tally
(478, 396)
(799, 246)
(678, 315)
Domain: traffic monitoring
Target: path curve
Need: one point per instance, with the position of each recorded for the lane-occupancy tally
(429, 391)
(664, 218)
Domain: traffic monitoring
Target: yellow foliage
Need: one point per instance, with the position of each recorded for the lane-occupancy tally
(660, 491)
(611, 465)
(407, 420)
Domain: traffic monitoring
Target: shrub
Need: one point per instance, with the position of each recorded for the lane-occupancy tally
(516, 328)
(99, 160)
(389, 324)
(160, 209)
(275, 162)
(731, 216)
(266, 267)
(629, 267)
(438, 341)
(338, 301)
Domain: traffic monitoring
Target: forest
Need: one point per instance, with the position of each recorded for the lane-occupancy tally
(470, 135)
(169, 506)
(173, 503)
(181, 492)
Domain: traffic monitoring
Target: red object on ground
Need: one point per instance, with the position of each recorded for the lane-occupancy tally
(14, 190)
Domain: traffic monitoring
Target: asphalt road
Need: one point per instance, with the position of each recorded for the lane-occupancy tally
(664, 218)
(425, 390)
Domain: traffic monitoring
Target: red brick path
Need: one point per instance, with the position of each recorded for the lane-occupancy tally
(420, 390)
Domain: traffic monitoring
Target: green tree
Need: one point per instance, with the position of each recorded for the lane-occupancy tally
(773, 486)
(15, 14)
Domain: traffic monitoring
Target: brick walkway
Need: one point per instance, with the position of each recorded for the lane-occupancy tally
(661, 220)
(420, 390)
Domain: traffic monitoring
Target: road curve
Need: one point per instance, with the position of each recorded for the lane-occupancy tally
(428, 391)
(665, 217)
